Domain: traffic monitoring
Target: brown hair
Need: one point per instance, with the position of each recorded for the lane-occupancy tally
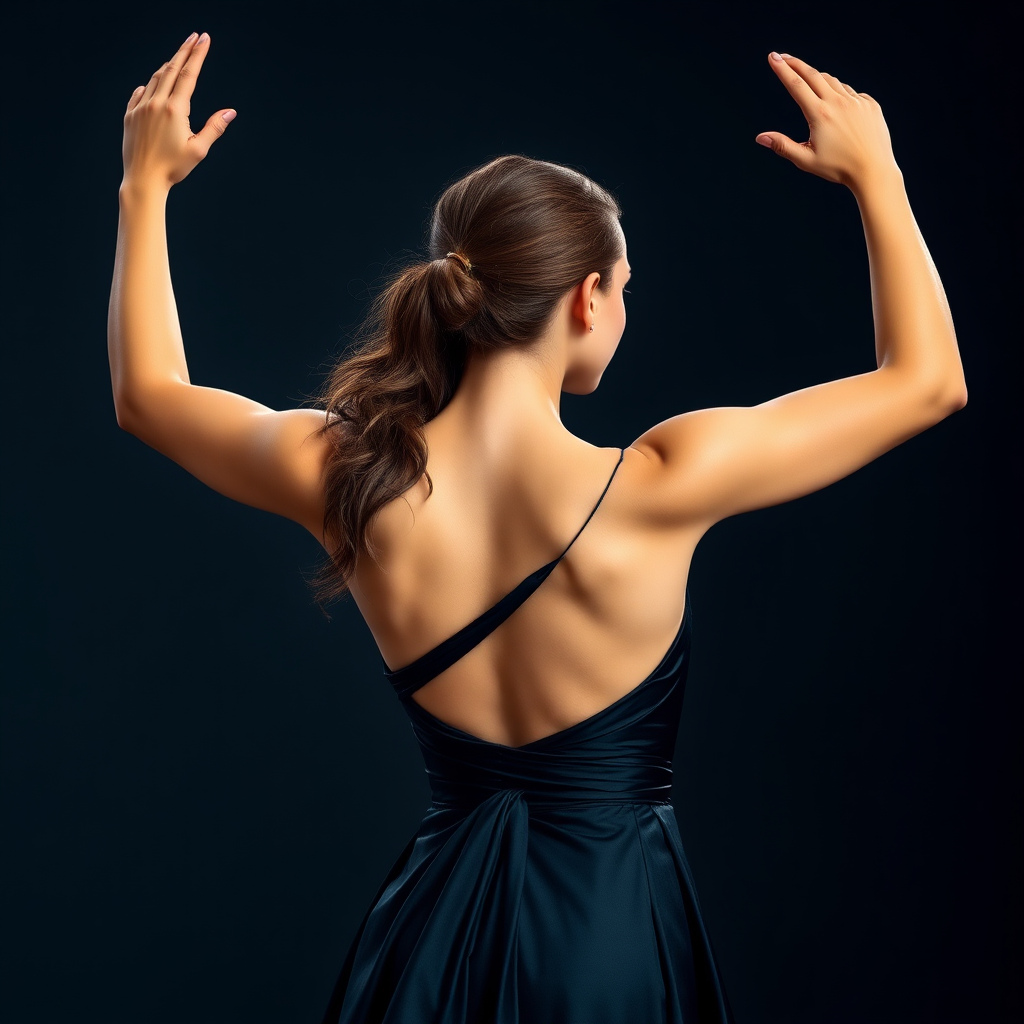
(530, 231)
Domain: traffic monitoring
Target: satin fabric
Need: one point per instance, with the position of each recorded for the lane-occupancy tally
(547, 884)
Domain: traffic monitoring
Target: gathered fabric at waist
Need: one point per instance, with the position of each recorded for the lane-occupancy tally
(464, 771)
(640, 784)
(470, 800)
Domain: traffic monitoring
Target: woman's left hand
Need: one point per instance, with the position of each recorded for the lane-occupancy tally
(159, 147)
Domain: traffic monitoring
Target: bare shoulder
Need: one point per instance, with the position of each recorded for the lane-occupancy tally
(663, 470)
(706, 465)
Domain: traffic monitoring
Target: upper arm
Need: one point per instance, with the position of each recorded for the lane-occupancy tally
(245, 450)
(714, 463)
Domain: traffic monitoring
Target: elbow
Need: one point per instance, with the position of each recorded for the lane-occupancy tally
(936, 395)
(942, 394)
(122, 417)
(947, 400)
(139, 410)
(955, 397)
(127, 415)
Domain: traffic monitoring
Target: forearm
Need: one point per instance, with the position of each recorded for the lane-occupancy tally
(914, 331)
(144, 342)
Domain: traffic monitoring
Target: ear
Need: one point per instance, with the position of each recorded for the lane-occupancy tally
(584, 305)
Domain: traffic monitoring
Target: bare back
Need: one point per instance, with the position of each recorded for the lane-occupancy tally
(594, 629)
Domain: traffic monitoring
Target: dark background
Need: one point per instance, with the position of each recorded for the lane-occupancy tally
(204, 780)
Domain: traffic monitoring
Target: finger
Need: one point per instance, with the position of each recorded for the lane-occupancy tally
(153, 83)
(171, 70)
(133, 100)
(211, 132)
(798, 153)
(800, 91)
(150, 86)
(840, 87)
(834, 83)
(186, 82)
(810, 75)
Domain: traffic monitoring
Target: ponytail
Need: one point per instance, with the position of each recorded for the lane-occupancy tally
(518, 233)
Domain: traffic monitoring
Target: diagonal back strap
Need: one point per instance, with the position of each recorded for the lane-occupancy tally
(411, 677)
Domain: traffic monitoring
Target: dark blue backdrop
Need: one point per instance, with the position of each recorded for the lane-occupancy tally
(182, 728)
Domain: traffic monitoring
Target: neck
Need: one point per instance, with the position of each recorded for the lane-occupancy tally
(508, 397)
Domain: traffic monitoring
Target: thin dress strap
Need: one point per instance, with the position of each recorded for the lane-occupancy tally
(411, 677)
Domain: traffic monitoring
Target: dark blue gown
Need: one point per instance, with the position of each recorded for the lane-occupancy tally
(547, 883)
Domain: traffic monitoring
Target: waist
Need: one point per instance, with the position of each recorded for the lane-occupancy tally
(626, 760)
(466, 801)
(552, 780)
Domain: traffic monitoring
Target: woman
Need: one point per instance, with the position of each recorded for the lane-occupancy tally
(547, 882)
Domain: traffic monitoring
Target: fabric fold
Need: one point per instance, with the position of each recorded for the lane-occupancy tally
(440, 941)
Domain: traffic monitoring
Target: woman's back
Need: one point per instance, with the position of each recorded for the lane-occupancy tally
(595, 628)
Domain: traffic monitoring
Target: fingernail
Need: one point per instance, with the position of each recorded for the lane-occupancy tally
(204, 38)
(776, 56)
(228, 115)
(763, 140)
(787, 56)
(190, 38)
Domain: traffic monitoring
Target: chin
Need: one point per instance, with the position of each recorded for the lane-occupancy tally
(585, 386)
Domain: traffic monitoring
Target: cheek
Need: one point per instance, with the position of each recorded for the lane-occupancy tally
(621, 328)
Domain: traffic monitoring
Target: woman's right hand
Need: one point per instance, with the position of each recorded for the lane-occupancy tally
(849, 140)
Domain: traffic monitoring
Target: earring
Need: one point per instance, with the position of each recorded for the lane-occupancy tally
(591, 327)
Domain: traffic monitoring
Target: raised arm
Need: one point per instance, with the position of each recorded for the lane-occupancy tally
(246, 451)
(713, 463)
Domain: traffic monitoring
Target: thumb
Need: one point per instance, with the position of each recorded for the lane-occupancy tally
(783, 145)
(213, 130)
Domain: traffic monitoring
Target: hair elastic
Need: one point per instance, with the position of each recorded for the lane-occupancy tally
(462, 259)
